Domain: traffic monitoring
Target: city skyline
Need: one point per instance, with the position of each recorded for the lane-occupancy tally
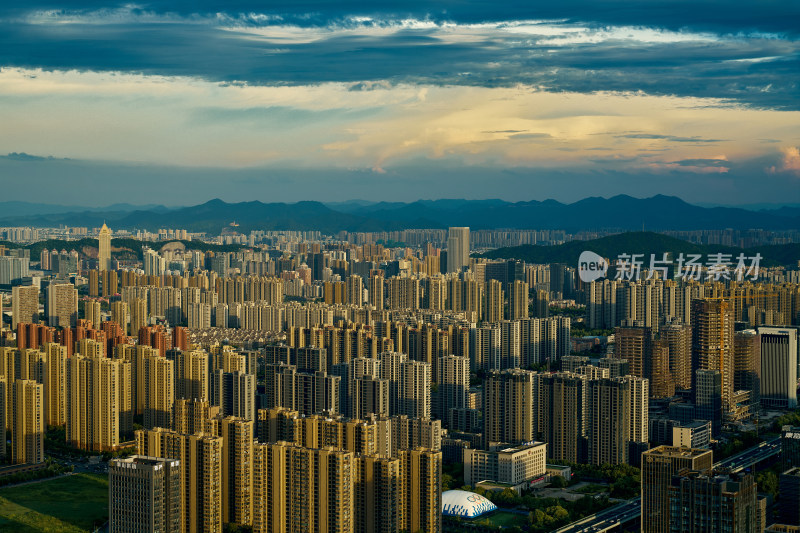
(335, 103)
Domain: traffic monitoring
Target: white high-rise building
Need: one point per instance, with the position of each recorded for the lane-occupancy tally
(457, 249)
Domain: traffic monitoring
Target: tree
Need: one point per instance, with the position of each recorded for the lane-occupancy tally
(768, 482)
(558, 482)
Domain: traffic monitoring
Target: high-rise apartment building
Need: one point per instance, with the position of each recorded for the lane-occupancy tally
(453, 377)
(493, 302)
(201, 458)
(93, 400)
(144, 495)
(139, 316)
(562, 416)
(659, 465)
(609, 421)
(234, 393)
(457, 249)
(415, 389)
(91, 312)
(158, 391)
(316, 489)
(193, 416)
(378, 507)
(62, 305)
(191, 374)
(24, 305)
(508, 406)
(712, 343)
(369, 396)
(237, 471)
(678, 338)
(27, 422)
(55, 383)
(747, 365)
(518, 300)
(376, 292)
(421, 490)
(635, 345)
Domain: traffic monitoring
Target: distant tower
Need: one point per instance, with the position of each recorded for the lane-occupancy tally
(457, 249)
(104, 249)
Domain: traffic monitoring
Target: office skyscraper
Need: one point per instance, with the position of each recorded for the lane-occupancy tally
(789, 505)
(144, 495)
(707, 502)
(778, 367)
(708, 398)
(658, 467)
(104, 249)
(457, 249)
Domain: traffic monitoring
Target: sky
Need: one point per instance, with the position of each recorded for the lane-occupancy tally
(180, 102)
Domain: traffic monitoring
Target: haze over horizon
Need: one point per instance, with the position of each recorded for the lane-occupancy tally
(400, 101)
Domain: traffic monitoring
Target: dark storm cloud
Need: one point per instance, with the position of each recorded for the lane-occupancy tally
(713, 15)
(748, 53)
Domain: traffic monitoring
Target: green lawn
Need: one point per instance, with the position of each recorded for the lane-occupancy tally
(506, 519)
(68, 504)
(592, 488)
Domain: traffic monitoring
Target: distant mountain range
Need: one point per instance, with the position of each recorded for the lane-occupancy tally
(27, 209)
(645, 243)
(621, 212)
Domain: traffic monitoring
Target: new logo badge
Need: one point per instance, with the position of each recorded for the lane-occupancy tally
(591, 266)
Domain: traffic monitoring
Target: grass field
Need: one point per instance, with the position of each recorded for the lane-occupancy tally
(591, 488)
(506, 519)
(68, 504)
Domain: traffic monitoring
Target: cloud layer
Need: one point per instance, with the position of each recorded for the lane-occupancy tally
(641, 91)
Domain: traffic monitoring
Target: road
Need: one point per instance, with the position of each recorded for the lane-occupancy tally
(623, 513)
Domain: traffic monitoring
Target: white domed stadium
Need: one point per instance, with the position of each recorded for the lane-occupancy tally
(465, 504)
